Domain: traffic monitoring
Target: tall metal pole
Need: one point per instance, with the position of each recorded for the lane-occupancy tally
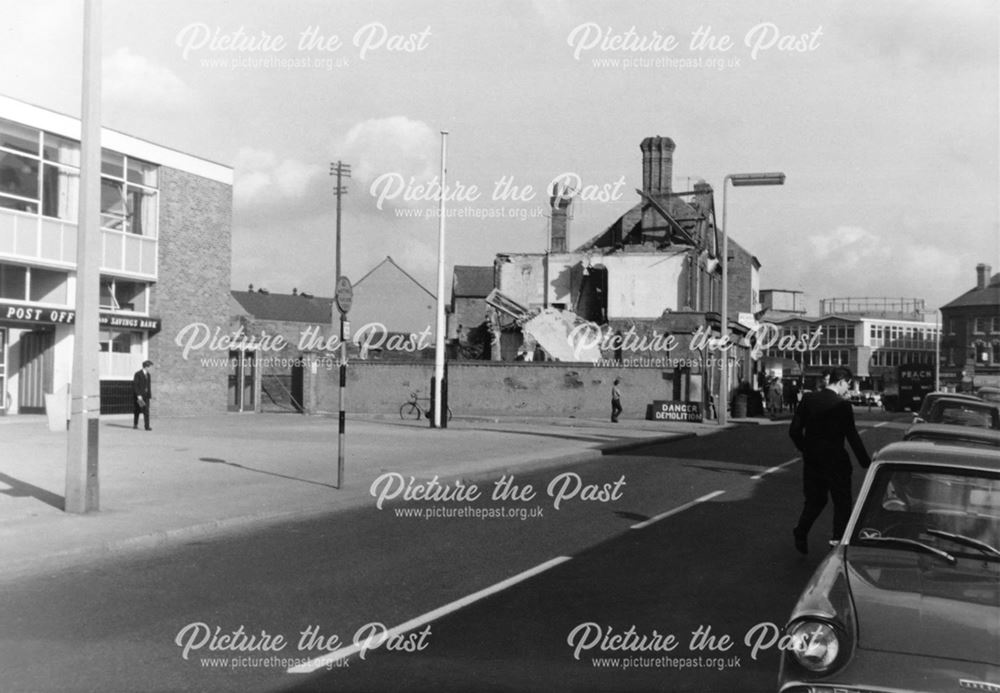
(439, 342)
(721, 406)
(937, 350)
(82, 449)
(341, 170)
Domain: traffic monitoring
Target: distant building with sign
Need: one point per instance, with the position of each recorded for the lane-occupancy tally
(166, 226)
(970, 342)
(871, 336)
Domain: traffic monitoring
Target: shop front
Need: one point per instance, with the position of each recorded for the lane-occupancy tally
(36, 356)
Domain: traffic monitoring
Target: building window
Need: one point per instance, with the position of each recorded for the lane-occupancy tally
(19, 283)
(128, 194)
(48, 286)
(121, 294)
(39, 172)
(996, 353)
(980, 325)
(980, 353)
(14, 282)
(120, 354)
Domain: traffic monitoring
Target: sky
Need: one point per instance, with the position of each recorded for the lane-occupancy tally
(883, 116)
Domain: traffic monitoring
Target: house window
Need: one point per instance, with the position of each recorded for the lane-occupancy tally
(980, 325)
(996, 353)
(980, 352)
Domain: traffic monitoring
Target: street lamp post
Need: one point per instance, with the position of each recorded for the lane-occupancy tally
(738, 180)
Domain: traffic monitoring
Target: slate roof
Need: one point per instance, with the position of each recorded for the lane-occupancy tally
(285, 307)
(990, 296)
(389, 261)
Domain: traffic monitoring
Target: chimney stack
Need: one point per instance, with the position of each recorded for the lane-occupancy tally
(560, 200)
(657, 165)
(983, 275)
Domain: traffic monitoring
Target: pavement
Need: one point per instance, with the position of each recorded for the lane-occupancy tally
(201, 477)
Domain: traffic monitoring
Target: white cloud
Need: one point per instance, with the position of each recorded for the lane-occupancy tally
(854, 261)
(136, 83)
(262, 179)
(390, 145)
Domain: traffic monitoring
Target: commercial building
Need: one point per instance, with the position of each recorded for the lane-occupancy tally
(970, 342)
(871, 336)
(166, 226)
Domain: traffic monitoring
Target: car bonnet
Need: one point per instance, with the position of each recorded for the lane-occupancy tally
(911, 603)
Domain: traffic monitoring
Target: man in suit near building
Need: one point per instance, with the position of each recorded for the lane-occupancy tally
(616, 401)
(822, 422)
(142, 391)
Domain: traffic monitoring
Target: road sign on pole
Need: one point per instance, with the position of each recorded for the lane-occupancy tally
(345, 295)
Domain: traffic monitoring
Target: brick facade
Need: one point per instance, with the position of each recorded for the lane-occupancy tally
(195, 241)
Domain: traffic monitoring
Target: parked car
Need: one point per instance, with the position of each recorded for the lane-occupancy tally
(865, 398)
(959, 435)
(989, 393)
(961, 412)
(909, 600)
(931, 398)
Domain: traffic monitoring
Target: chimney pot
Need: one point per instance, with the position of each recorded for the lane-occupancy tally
(983, 275)
(657, 165)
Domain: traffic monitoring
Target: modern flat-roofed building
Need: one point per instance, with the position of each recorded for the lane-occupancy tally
(166, 228)
(871, 336)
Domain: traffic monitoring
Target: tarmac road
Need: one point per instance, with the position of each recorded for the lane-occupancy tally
(725, 563)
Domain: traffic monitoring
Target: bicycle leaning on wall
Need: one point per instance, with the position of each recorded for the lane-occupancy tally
(412, 409)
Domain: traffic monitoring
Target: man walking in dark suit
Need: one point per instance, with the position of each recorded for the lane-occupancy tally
(822, 421)
(142, 391)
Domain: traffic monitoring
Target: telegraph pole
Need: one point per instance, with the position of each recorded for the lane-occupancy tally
(82, 480)
(344, 295)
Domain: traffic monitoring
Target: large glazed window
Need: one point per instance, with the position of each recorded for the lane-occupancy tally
(39, 172)
(128, 194)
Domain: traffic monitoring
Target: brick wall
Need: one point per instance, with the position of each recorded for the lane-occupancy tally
(489, 388)
(193, 284)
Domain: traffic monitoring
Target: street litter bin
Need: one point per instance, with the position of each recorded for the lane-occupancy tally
(740, 407)
(57, 408)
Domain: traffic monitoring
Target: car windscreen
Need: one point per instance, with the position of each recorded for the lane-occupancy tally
(964, 414)
(950, 510)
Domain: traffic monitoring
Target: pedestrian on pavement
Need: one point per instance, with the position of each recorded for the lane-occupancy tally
(822, 421)
(142, 391)
(616, 401)
(775, 391)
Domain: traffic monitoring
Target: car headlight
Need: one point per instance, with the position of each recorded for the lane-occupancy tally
(815, 645)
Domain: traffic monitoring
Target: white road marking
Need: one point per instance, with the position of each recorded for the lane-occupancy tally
(678, 509)
(758, 477)
(414, 623)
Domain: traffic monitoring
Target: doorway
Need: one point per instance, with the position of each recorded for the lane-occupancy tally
(242, 392)
(36, 370)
